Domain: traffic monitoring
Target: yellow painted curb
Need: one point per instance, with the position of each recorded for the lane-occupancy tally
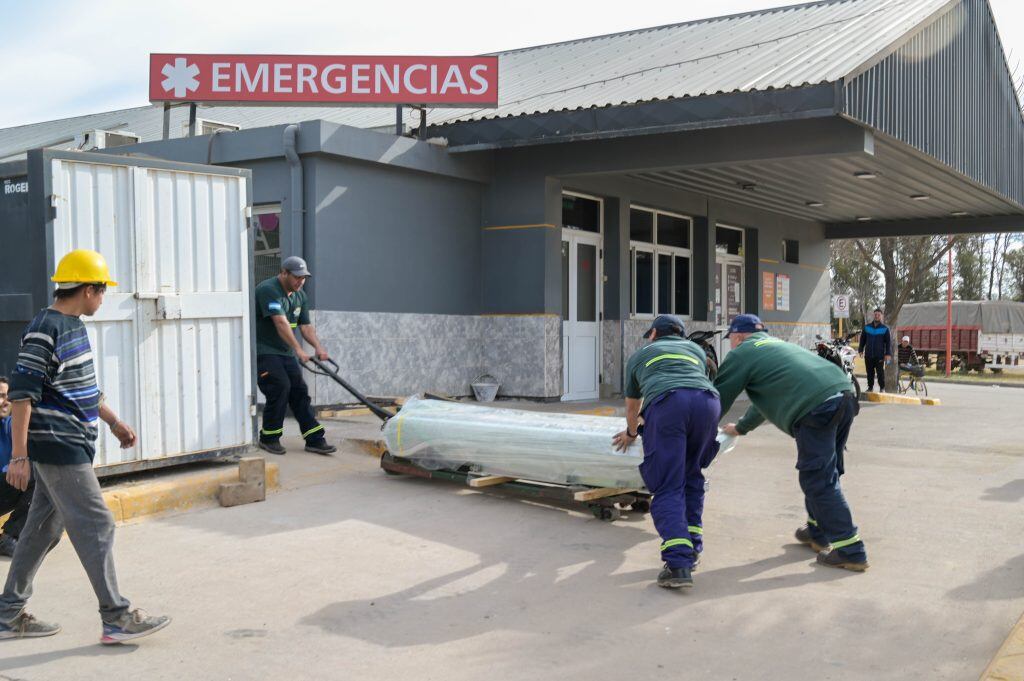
(177, 494)
(374, 448)
(1008, 663)
(889, 398)
(597, 411)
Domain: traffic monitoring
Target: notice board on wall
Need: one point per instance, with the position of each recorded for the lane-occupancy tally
(767, 290)
(782, 292)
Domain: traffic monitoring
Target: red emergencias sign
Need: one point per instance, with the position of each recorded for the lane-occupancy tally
(320, 80)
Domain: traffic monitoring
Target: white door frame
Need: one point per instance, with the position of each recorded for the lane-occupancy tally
(721, 260)
(570, 327)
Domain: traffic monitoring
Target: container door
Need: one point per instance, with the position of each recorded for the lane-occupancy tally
(171, 343)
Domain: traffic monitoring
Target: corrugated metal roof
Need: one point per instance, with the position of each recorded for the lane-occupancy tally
(771, 49)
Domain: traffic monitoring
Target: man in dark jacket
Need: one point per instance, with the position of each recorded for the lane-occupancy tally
(876, 349)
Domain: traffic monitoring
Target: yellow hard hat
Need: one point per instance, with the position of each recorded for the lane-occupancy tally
(83, 267)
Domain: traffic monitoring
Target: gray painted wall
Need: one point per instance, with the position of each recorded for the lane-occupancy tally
(393, 240)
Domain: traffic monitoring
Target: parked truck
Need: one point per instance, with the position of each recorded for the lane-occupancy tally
(986, 334)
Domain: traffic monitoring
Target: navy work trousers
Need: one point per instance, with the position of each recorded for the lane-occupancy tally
(875, 367)
(280, 380)
(820, 442)
(679, 440)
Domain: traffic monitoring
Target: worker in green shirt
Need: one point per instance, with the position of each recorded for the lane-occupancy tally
(281, 306)
(669, 378)
(812, 400)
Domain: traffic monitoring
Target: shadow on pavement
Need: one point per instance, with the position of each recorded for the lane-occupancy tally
(1011, 492)
(1002, 583)
(35, 659)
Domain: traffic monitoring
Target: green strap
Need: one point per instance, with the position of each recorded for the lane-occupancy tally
(676, 542)
(294, 326)
(311, 431)
(272, 432)
(687, 358)
(846, 542)
(695, 529)
(812, 521)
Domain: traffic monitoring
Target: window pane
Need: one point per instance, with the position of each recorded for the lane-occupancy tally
(580, 213)
(791, 251)
(565, 280)
(586, 283)
(673, 231)
(641, 225)
(682, 285)
(729, 240)
(644, 283)
(664, 284)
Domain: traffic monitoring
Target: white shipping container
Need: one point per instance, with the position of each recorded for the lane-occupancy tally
(172, 342)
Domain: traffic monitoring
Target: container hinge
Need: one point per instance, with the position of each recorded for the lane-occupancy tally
(248, 212)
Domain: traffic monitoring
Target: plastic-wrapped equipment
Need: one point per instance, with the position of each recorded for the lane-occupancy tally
(556, 448)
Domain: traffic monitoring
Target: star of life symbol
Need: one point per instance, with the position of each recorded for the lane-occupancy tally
(181, 77)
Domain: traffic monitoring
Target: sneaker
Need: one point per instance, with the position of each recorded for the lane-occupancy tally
(132, 625)
(320, 447)
(7, 545)
(27, 626)
(837, 560)
(272, 446)
(803, 535)
(675, 578)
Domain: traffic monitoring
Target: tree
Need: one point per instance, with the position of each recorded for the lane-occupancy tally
(852, 274)
(969, 268)
(1015, 273)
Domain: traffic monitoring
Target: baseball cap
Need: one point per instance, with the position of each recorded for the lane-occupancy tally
(296, 266)
(745, 323)
(666, 323)
(906, 338)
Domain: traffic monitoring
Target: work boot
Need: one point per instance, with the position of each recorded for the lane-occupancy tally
(7, 545)
(837, 560)
(675, 578)
(132, 625)
(320, 447)
(803, 535)
(696, 561)
(27, 626)
(272, 446)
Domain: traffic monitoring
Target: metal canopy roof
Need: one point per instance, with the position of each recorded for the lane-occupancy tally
(772, 49)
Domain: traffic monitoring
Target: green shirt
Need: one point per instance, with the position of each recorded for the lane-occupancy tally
(784, 381)
(271, 301)
(668, 363)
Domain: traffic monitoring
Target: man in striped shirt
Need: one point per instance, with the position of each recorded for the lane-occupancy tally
(56, 406)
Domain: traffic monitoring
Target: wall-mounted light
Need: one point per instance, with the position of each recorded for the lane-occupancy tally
(959, 213)
(920, 197)
(747, 186)
(864, 218)
(813, 204)
(864, 175)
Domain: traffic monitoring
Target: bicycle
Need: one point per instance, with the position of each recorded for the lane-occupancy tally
(911, 377)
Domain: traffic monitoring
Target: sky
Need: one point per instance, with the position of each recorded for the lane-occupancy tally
(60, 58)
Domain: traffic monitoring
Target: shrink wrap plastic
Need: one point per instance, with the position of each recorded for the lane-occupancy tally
(547, 447)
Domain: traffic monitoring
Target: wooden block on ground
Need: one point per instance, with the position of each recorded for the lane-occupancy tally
(488, 480)
(238, 493)
(253, 469)
(251, 485)
(601, 492)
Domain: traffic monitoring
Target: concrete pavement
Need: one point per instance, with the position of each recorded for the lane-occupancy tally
(367, 576)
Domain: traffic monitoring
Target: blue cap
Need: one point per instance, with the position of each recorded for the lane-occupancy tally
(745, 323)
(666, 324)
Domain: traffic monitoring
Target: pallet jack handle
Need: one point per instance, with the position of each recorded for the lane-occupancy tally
(382, 414)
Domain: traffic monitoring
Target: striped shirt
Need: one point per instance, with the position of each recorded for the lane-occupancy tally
(55, 371)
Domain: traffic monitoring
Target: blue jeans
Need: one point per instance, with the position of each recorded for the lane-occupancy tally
(679, 440)
(820, 441)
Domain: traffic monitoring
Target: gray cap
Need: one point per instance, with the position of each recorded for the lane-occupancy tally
(296, 266)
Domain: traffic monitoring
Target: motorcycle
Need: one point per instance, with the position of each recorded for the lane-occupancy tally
(842, 354)
(705, 339)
